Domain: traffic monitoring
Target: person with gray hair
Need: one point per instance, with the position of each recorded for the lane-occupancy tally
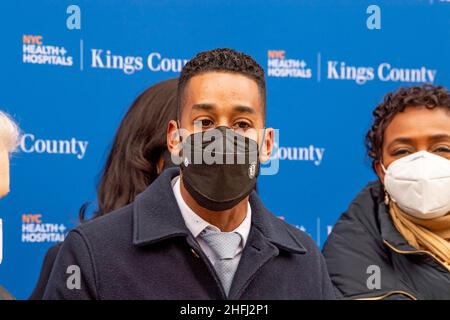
(9, 138)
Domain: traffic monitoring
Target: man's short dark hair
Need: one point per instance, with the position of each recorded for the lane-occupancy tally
(226, 60)
(427, 95)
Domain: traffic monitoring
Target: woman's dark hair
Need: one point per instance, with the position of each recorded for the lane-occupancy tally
(137, 148)
(427, 95)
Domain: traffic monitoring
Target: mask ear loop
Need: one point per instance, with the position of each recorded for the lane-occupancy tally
(179, 156)
(179, 116)
(383, 167)
(387, 198)
(262, 141)
(178, 130)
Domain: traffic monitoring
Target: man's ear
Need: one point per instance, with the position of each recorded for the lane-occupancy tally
(267, 144)
(379, 170)
(173, 138)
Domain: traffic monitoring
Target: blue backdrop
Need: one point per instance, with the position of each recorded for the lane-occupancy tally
(326, 71)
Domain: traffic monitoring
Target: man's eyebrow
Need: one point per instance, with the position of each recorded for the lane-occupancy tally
(203, 107)
(244, 109)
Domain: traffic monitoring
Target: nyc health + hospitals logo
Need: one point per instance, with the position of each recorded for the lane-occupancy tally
(282, 65)
(36, 51)
(279, 65)
(36, 230)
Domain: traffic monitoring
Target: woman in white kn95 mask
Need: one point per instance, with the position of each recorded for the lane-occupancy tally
(394, 240)
(9, 134)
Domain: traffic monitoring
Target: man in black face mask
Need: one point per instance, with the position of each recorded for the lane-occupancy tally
(200, 231)
(219, 140)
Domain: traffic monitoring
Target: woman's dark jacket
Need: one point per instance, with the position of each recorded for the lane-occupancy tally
(368, 258)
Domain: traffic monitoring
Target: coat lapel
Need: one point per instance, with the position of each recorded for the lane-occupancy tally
(268, 235)
(256, 254)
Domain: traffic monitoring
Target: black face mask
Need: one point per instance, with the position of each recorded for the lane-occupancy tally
(219, 167)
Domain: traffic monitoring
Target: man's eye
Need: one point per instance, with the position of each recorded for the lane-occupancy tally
(242, 125)
(206, 123)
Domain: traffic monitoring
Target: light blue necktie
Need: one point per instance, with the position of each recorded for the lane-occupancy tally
(225, 246)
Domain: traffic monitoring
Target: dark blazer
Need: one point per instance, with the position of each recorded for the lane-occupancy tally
(366, 236)
(145, 251)
(47, 266)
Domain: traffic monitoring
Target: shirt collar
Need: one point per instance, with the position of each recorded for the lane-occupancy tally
(157, 217)
(197, 224)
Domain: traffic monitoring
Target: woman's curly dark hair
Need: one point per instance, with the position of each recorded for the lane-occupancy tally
(395, 102)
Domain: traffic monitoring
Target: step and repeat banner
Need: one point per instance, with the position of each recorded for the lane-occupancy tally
(69, 70)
